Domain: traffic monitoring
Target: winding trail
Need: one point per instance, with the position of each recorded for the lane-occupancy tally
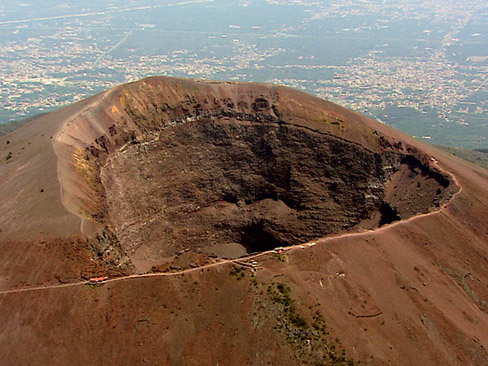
(253, 256)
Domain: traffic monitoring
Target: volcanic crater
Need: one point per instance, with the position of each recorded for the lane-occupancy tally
(226, 169)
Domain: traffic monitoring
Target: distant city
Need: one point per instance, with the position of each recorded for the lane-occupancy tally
(421, 66)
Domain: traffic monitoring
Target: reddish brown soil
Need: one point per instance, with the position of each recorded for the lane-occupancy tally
(413, 292)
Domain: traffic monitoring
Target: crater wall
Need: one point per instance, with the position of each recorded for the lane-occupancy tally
(225, 169)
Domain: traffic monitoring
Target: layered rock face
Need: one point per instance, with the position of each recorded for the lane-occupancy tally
(227, 169)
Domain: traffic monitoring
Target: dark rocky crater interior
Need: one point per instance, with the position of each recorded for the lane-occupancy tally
(227, 182)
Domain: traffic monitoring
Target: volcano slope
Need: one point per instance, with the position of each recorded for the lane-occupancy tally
(194, 182)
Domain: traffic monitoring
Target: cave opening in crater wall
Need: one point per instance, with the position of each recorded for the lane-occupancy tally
(255, 238)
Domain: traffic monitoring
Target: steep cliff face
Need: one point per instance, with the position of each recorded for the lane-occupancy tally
(229, 169)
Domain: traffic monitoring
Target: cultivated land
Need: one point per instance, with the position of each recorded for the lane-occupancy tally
(164, 183)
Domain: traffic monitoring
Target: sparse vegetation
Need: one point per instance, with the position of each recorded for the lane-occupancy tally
(310, 339)
(463, 279)
(253, 280)
(237, 272)
(282, 257)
